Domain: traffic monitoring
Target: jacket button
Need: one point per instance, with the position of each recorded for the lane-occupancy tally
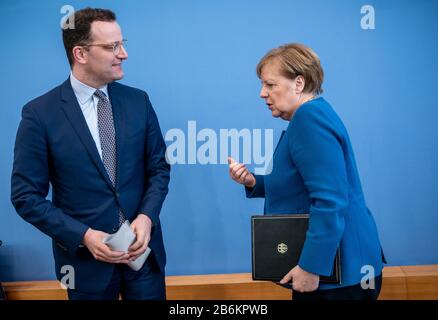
(115, 229)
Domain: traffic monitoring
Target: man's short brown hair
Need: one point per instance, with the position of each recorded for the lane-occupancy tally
(81, 33)
(296, 59)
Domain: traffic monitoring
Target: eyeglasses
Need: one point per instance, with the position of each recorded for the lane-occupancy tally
(115, 46)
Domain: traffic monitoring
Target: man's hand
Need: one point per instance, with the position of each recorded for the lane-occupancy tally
(93, 240)
(141, 226)
(240, 174)
(302, 281)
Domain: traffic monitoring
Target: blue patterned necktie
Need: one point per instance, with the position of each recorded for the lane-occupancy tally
(107, 134)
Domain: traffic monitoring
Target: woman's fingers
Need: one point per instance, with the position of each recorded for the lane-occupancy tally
(242, 178)
(236, 168)
(238, 171)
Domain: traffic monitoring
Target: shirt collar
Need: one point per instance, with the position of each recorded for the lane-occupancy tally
(82, 91)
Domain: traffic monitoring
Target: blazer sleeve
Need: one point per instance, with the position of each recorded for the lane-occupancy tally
(30, 185)
(157, 170)
(258, 191)
(316, 150)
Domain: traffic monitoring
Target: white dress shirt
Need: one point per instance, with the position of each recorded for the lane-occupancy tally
(88, 103)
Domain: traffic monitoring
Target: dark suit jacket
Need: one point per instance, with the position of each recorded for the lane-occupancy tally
(54, 145)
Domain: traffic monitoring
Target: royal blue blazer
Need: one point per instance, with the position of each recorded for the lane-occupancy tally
(54, 146)
(314, 171)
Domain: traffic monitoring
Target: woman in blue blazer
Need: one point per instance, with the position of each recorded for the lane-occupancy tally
(314, 171)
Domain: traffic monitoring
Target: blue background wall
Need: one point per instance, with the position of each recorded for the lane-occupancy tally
(197, 61)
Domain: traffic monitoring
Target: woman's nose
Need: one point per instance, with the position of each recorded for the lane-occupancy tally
(263, 93)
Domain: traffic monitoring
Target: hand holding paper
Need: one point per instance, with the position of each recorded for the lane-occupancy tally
(93, 240)
(122, 240)
(142, 227)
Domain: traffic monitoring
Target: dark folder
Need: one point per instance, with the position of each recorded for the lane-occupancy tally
(277, 241)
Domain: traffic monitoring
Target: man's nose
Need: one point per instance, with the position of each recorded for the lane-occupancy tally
(123, 54)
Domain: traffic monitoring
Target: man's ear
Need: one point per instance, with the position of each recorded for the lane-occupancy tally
(299, 84)
(79, 55)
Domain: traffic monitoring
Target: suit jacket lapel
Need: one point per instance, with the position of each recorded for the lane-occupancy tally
(74, 114)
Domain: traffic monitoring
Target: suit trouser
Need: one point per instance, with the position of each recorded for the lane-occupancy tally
(344, 293)
(146, 284)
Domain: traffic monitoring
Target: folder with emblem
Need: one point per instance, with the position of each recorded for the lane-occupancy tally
(277, 241)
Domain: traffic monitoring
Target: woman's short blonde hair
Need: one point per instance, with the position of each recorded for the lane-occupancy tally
(296, 59)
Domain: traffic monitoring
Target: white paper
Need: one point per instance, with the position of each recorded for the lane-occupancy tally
(121, 240)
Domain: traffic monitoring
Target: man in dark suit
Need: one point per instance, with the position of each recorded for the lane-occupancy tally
(100, 146)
